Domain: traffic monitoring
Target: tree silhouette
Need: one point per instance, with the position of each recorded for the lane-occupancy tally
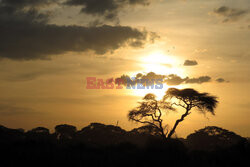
(40, 130)
(65, 131)
(150, 112)
(188, 99)
(38, 134)
(213, 137)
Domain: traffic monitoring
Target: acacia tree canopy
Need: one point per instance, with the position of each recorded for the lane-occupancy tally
(192, 98)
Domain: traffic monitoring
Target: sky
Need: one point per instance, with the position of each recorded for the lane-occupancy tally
(49, 47)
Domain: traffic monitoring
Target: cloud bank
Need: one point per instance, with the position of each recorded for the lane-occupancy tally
(107, 8)
(27, 35)
(171, 79)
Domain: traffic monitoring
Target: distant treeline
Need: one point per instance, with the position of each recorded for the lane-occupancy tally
(108, 145)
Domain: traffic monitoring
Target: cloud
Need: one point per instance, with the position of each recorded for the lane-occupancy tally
(27, 35)
(174, 79)
(34, 74)
(221, 80)
(9, 110)
(198, 80)
(25, 3)
(37, 41)
(190, 63)
(107, 8)
(150, 75)
(147, 79)
(171, 79)
(230, 14)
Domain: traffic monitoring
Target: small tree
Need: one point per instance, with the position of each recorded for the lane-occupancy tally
(150, 112)
(188, 99)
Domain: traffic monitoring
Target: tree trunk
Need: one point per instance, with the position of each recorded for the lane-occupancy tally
(177, 122)
(161, 130)
(163, 134)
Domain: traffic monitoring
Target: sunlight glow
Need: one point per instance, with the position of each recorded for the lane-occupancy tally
(159, 63)
(158, 57)
(158, 92)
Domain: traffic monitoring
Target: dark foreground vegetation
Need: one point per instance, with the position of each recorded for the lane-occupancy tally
(108, 145)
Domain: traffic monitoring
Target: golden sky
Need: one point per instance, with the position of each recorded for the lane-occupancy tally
(48, 48)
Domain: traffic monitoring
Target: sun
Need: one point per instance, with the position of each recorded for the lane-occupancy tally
(159, 63)
(158, 92)
(157, 57)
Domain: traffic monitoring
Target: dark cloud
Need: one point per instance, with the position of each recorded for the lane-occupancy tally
(171, 79)
(26, 3)
(221, 80)
(199, 80)
(38, 41)
(26, 34)
(9, 110)
(34, 74)
(107, 8)
(190, 63)
(174, 79)
(141, 2)
(230, 14)
(146, 79)
(150, 75)
(15, 11)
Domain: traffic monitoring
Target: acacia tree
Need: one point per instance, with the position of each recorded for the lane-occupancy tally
(150, 110)
(188, 99)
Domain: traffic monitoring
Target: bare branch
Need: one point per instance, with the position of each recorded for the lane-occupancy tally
(179, 105)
